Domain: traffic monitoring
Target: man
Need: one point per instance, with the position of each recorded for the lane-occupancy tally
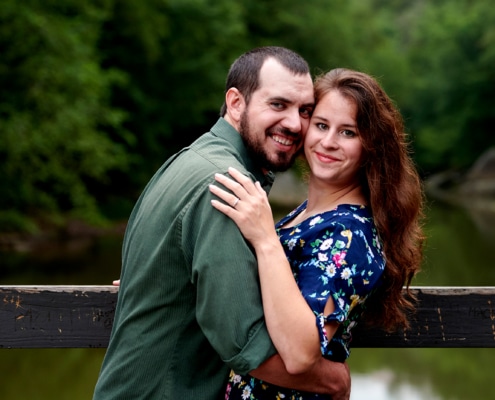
(189, 305)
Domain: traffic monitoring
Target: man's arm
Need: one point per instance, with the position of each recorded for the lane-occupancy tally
(325, 377)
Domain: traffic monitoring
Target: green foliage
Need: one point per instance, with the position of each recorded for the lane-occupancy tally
(453, 82)
(53, 107)
(96, 95)
(14, 221)
(178, 54)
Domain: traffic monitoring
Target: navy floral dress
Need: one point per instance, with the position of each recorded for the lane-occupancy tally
(336, 253)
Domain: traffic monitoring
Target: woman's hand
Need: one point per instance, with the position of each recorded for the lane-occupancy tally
(289, 319)
(247, 206)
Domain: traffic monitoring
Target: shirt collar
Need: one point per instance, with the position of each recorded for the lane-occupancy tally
(227, 132)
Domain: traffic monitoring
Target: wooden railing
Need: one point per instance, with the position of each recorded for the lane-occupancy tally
(82, 316)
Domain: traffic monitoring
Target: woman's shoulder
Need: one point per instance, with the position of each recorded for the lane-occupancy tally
(350, 215)
(357, 209)
(296, 211)
(354, 222)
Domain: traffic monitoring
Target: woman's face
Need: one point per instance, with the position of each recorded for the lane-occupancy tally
(332, 145)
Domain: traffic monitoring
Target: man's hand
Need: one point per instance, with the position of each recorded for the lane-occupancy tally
(343, 385)
(327, 377)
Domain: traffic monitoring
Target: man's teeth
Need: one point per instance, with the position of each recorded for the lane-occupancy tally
(282, 140)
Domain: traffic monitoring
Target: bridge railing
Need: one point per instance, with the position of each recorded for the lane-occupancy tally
(82, 316)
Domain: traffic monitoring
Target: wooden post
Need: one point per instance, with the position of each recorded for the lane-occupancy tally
(82, 316)
(445, 317)
(56, 316)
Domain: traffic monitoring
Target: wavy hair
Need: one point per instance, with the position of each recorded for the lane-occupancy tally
(392, 187)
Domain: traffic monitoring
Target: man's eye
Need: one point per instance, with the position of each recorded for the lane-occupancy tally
(306, 112)
(277, 105)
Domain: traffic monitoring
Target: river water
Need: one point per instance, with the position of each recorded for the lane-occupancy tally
(460, 252)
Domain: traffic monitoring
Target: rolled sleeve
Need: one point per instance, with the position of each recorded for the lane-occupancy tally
(225, 274)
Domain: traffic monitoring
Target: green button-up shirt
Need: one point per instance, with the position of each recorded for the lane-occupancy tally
(189, 305)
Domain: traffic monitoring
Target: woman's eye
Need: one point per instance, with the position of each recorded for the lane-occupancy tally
(321, 126)
(348, 133)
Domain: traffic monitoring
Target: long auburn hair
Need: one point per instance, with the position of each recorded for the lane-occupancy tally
(392, 187)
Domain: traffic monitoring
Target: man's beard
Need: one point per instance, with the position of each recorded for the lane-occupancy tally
(283, 160)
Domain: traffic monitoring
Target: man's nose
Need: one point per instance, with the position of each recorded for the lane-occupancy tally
(293, 121)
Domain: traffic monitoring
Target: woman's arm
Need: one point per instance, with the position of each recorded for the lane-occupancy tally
(290, 321)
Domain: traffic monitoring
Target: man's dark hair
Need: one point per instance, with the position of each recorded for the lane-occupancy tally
(244, 72)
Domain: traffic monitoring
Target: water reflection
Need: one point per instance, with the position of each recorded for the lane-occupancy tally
(457, 254)
(443, 374)
(381, 385)
(95, 263)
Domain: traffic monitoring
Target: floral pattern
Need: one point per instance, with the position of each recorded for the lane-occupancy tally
(336, 253)
(249, 388)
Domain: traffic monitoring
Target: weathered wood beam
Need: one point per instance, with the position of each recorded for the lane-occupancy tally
(56, 316)
(82, 316)
(445, 317)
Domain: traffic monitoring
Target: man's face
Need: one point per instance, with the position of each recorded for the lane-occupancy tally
(274, 123)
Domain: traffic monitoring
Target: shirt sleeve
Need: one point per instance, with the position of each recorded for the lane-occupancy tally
(225, 274)
(347, 263)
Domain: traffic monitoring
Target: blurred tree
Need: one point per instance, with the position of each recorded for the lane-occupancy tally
(451, 52)
(177, 54)
(97, 95)
(54, 109)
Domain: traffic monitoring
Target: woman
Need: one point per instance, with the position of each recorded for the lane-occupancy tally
(357, 234)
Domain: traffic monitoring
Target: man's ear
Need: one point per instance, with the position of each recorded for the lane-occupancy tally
(235, 103)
